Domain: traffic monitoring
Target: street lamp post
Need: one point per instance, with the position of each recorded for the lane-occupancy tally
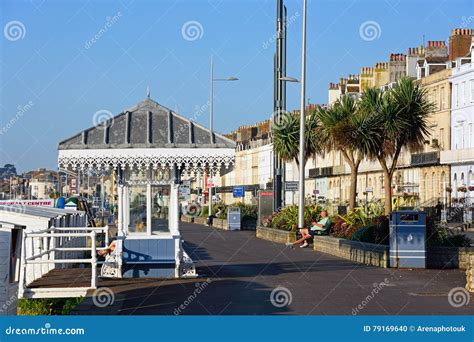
(211, 123)
(280, 194)
(302, 124)
(289, 79)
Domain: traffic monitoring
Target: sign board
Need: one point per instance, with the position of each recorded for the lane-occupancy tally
(369, 189)
(184, 192)
(211, 182)
(238, 191)
(265, 205)
(70, 205)
(291, 185)
(73, 186)
(36, 203)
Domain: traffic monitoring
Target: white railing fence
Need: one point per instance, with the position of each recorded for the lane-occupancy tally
(59, 247)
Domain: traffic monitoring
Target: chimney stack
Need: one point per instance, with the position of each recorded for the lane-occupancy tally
(436, 48)
(459, 43)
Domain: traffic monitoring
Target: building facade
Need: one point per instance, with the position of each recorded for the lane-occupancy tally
(461, 155)
(424, 177)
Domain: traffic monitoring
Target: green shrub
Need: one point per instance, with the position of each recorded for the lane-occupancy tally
(362, 217)
(287, 217)
(339, 229)
(382, 232)
(247, 211)
(364, 234)
(204, 211)
(47, 306)
(220, 209)
(438, 235)
(378, 232)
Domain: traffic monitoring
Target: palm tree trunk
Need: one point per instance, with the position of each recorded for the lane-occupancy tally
(353, 189)
(354, 165)
(388, 191)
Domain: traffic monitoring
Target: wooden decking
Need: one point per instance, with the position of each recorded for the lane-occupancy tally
(81, 277)
(67, 277)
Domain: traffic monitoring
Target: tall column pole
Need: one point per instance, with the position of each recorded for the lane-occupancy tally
(211, 128)
(278, 164)
(283, 103)
(78, 183)
(302, 124)
(211, 102)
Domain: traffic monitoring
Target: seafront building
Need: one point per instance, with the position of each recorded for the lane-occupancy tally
(424, 177)
(461, 155)
(253, 162)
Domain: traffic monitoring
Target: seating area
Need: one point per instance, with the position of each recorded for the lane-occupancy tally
(320, 228)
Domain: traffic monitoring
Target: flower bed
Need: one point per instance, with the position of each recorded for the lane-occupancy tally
(287, 217)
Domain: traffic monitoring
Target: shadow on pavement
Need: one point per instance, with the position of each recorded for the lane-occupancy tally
(198, 297)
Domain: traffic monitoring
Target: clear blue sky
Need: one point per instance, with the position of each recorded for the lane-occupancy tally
(62, 80)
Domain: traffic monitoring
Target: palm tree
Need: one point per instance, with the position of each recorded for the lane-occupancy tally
(402, 114)
(286, 137)
(345, 129)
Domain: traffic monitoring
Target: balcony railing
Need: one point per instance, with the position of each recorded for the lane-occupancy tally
(427, 158)
(321, 172)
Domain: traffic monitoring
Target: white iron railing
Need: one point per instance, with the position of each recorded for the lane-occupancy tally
(59, 247)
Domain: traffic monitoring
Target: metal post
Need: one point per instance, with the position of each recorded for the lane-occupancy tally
(173, 215)
(78, 183)
(45, 248)
(211, 127)
(211, 102)
(302, 124)
(106, 237)
(211, 114)
(93, 260)
(32, 249)
(209, 188)
(22, 280)
(279, 106)
(283, 103)
(149, 203)
(120, 205)
(102, 198)
(53, 247)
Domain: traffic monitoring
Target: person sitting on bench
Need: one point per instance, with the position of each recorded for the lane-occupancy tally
(316, 227)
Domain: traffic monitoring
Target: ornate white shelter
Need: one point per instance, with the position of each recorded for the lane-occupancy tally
(148, 148)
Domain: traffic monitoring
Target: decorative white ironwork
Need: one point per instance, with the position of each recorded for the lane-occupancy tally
(146, 182)
(110, 268)
(191, 160)
(186, 267)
